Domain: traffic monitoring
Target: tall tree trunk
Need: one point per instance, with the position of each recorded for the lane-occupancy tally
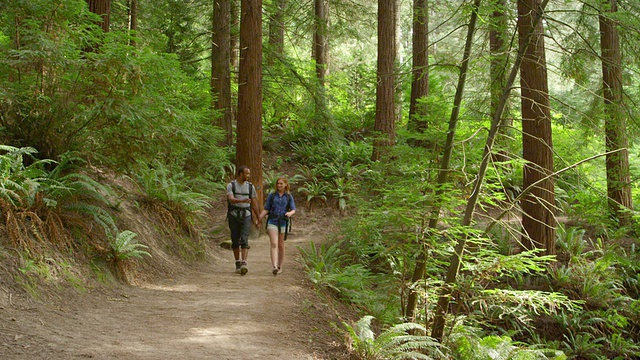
(538, 220)
(321, 56)
(385, 91)
(101, 7)
(276, 31)
(133, 19)
(420, 68)
(420, 267)
(498, 36)
(320, 39)
(249, 129)
(617, 163)
(234, 44)
(220, 66)
(496, 119)
(235, 35)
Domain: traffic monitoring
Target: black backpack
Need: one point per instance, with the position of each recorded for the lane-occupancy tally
(230, 206)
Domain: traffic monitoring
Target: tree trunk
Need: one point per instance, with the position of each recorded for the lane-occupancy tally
(498, 37)
(235, 53)
(220, 66)
(538, 220)
(101, 7)
(321, 56)
(320, 39)
(617, 163)
(276, 31)
(385, 91)
(235, 36)
(420, 68)
(133, 18)
(249, 129)
(496, 119)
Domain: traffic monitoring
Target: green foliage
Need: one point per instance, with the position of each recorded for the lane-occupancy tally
(396, 342)
(114, 108)
(328, 267)
(167, 193)
(125, 247)
(314, 192)
(37, 203)
(468, 345)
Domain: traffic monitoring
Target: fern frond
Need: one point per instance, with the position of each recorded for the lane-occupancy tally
(99, 215)
(124, 246)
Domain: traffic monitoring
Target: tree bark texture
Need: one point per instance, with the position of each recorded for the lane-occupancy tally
(385, 91)
(103, 8)
(498, 37)
(617, 163)
(221, 66)
(133, 17)
(538, 204)
(420, 66)
(320, 39)
(249, 129)
(276, 31)
(235, 36)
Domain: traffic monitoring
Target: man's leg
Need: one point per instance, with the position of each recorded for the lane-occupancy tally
(244, 243)
(234, 226)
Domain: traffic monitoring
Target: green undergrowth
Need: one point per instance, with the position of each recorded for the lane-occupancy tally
(506, 303)
(67, 224)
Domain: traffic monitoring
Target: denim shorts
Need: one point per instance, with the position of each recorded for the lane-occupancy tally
(272, 224)
(283, 229)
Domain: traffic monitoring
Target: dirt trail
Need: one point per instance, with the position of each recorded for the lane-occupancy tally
(208, 313)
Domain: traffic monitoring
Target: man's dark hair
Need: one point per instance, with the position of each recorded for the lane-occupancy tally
(241, 170)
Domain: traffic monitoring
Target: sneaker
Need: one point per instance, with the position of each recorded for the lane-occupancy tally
(238, 267)
(243, 268)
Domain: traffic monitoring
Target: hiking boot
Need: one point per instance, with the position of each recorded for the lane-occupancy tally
(243, 268)
(238, 267)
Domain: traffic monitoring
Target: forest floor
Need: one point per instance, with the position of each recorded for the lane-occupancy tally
(205, 311)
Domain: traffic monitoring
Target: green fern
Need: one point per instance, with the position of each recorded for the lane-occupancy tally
(124, 246)
(396, 342)
(314, 191)
(466, 344)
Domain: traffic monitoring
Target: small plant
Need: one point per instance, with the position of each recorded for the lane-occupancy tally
(314, 192)
(583, 345)
(396, 342)
(341, 191)
(571, 240)
(124, 247)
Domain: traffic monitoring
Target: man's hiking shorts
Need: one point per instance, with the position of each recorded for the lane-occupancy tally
(240, 228)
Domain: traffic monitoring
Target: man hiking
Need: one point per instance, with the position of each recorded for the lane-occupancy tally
(240, 193)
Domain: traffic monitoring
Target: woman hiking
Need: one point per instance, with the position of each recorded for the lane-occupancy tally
(280, 207)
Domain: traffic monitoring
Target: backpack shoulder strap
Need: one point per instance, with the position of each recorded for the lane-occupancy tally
(270, 200)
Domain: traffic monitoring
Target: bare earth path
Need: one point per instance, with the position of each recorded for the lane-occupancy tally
(208, 313)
